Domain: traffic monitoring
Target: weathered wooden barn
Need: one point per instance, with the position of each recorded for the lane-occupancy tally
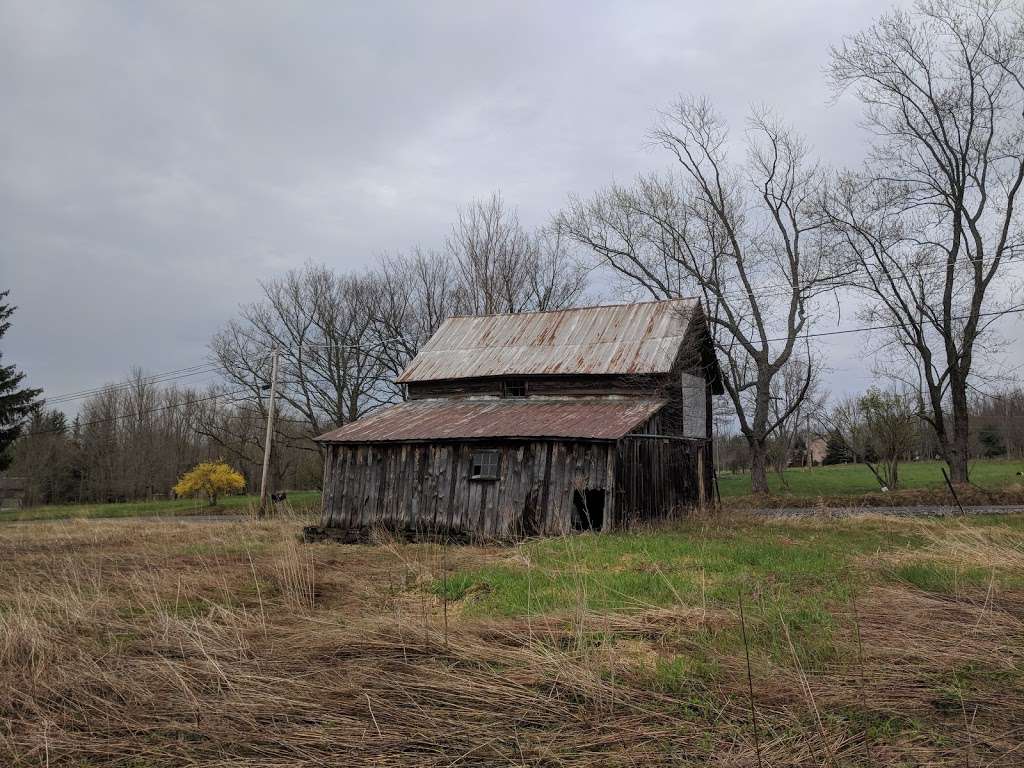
(535, 423)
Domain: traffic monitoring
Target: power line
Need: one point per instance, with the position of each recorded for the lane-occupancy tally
(341, 345)
(204, 368)
(114, 388)
(823, 285)
(766, 290)
(994, 395)
(182, 372)
(867, 328)
(156, 378)
(862, 329)
(138, 414)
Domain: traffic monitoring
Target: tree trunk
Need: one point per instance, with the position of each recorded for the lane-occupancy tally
(958, 449)
(956, 457)
(758, 466)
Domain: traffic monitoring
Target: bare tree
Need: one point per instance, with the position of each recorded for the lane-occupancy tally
(330, 371)
(502, 267)
(998, 423)
(409, 296)
(891, 420)
(877, 429)
(930, 221)
(747, 238)
(802, 402)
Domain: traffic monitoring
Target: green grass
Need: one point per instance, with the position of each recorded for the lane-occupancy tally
(168, 507)
(854, 479)
(791, 572)
(940, 577)
(693, 563)
(792, 576)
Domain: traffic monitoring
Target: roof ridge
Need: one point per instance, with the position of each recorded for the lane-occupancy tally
(574, 309)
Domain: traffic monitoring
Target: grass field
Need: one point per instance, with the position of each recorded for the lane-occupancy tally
(169, 507)
(871, 641)
(856, 479)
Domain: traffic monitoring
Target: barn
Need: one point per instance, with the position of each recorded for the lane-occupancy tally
(535, 424)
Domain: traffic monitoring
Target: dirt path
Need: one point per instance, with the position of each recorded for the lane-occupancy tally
(916, 511)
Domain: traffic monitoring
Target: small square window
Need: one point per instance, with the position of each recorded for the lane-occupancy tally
(485, 465)
(514, 388)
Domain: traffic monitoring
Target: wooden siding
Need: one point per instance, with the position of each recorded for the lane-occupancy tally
(426, 487)
(658, 477)
(540, 386)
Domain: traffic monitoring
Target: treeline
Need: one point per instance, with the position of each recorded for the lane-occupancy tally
(134, 442)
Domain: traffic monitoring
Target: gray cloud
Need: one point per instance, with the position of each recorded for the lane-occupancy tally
(158, 159)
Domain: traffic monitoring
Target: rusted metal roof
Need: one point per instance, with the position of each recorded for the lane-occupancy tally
(427, 420)
(615, 339)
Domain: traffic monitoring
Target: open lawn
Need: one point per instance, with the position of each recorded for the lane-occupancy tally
(856, 479)
(871, 641)
(168, 507)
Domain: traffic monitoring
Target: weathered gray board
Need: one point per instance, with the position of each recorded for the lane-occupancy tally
(658, 476)
(427, 487)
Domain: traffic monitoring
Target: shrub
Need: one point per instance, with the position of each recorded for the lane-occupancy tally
(211, 478)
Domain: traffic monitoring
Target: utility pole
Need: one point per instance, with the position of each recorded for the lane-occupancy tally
(808, 459)
(264, 486)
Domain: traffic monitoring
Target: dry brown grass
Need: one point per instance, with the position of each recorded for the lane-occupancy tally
(227, 644)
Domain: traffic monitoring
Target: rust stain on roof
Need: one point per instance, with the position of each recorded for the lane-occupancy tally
(615, 339)
(428, 420)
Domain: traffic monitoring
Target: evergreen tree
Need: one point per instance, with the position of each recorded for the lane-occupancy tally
(16, 402)
(837, 451)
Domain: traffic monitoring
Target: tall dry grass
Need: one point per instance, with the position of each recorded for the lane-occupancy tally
(233, 644)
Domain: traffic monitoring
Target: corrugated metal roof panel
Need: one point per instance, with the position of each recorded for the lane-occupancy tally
(617, 339)
(425, 420)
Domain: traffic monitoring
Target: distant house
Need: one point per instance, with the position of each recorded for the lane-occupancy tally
(535, 423)
(816, 449)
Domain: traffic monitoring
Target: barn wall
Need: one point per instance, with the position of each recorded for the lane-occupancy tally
(655, 477)
(565, 385)
(426, 486)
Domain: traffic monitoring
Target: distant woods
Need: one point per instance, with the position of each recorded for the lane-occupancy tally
(920, 234)
(134, 441)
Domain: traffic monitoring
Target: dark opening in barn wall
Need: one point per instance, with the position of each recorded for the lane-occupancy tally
(588, 509)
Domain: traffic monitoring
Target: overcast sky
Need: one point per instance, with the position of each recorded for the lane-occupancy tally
(157, 160)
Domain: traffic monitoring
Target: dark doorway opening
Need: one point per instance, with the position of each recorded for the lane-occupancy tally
(588, 509)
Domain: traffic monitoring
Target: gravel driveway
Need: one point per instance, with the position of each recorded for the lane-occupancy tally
(917, 511)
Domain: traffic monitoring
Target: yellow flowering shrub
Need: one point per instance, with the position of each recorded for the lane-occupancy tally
(212, 479)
